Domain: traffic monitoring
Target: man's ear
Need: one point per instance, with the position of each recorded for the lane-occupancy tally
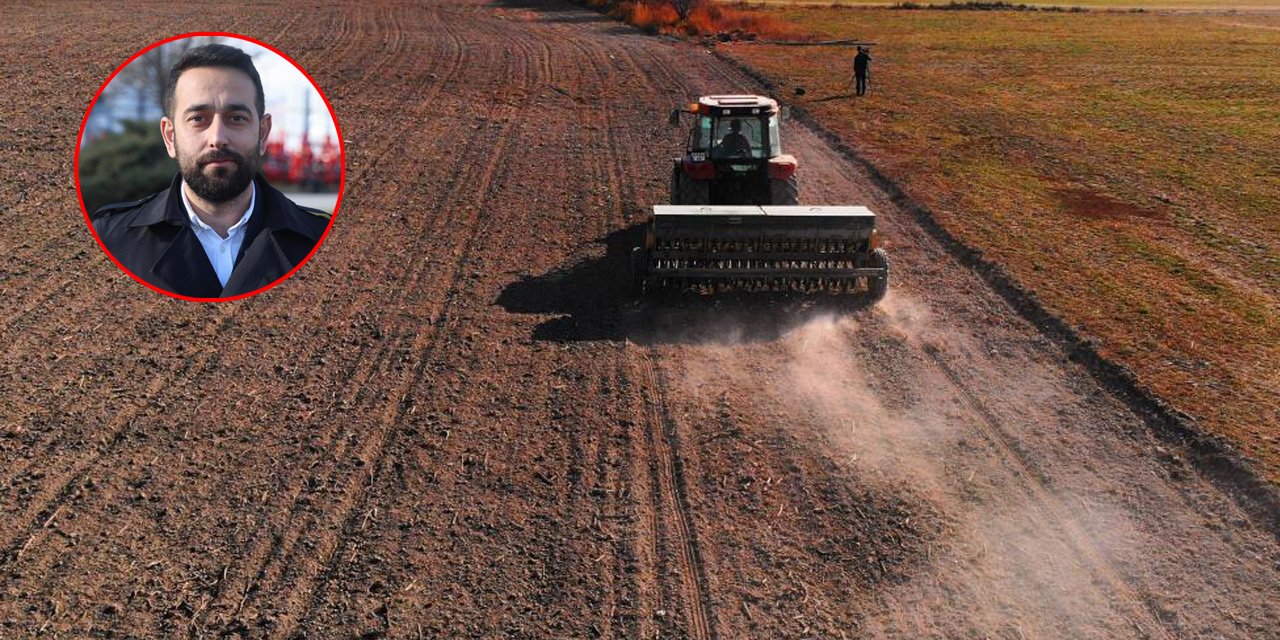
(264, 130)
(166, 132)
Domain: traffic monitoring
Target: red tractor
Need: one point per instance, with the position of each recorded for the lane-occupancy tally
(734, 220)
(734, 155)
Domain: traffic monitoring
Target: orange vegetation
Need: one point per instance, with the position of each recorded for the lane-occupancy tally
(701, 18)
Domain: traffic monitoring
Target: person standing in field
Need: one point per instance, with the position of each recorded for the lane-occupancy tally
(861, 70)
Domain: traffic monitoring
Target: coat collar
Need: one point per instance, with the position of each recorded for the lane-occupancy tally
(272, 211)
(183, 266)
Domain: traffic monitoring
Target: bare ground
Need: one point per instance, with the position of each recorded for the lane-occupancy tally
(453, 423)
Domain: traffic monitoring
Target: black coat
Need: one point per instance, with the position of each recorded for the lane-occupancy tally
(152, 238)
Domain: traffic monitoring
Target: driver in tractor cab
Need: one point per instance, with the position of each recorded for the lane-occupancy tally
(734, 143)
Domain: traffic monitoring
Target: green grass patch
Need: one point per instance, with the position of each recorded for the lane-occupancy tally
(1125, 166)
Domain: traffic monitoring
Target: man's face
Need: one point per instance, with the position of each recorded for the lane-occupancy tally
(215, 132)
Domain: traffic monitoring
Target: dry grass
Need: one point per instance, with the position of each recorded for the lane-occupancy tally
(704, 18)
(1181, 5)
(1124, 166)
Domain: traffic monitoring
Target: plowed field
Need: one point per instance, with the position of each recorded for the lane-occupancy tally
(454, 423)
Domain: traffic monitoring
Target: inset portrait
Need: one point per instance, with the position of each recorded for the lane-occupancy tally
(210, 167)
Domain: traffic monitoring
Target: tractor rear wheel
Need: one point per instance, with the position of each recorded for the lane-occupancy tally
(878, 286)
(785, 192)
(690, 191)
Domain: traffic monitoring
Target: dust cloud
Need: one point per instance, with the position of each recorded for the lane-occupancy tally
(843, 390)
(1016, 560)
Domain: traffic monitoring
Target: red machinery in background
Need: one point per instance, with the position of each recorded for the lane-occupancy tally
(303, 167)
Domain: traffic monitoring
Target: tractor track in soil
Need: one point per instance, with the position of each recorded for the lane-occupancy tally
(27, 337)
(670, 500)
(273, 558)
(995, 433)
(424, 351)
(452, 423)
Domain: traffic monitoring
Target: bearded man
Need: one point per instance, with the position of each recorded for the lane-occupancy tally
(219, 230)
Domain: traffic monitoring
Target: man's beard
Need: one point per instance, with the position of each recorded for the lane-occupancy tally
(223, 183)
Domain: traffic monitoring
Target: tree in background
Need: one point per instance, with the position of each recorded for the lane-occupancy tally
(137, 92)
(685, 7)
(124, 166)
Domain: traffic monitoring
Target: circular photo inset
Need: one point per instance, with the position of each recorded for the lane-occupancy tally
(210, 167)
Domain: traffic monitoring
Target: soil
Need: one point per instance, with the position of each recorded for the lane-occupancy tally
(454, 422)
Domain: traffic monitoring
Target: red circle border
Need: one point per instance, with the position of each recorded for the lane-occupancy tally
(342, 151)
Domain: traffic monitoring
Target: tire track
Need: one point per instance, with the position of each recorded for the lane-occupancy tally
(672, 496)
(147, 311)
(604, 169)
(624, 492)
(72, 473)
(41, 300)
(667, 493)
(609, 172)
(994, 432)
(612, 468)
(313, 588)
(269, 551)
(541, 61)
(324, 305)
(668, 488)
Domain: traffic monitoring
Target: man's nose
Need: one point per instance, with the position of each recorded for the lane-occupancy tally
(217, 133)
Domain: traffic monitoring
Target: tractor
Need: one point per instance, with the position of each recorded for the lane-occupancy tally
(735, 221)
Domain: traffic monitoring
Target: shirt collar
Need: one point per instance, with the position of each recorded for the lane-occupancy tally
(199, 224)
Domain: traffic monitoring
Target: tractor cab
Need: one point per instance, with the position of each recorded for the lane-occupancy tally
(733, 154)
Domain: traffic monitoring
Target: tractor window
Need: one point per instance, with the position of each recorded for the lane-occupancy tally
(775, 137)
(700, 137)
(737, 137)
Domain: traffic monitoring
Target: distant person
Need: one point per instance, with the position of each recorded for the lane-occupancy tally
(734, 143)
(861, 70)
(219, 230)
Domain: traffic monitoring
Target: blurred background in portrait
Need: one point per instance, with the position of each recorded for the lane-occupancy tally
(123, 158)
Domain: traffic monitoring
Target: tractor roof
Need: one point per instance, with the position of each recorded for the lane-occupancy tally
(736, 102)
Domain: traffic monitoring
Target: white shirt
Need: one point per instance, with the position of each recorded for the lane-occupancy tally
(222, 252)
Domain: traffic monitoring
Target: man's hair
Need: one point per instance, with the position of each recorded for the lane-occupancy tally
(214, 55)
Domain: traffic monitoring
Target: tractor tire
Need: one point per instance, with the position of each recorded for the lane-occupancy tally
(675, 183)
(784, 192)
(639, 271)
(877, 287)
(689, 191)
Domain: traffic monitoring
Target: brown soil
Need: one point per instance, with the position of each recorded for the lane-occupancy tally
(453, 423)
(1087, 203)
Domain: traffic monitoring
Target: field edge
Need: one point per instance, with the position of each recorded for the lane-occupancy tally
(1212, 455)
